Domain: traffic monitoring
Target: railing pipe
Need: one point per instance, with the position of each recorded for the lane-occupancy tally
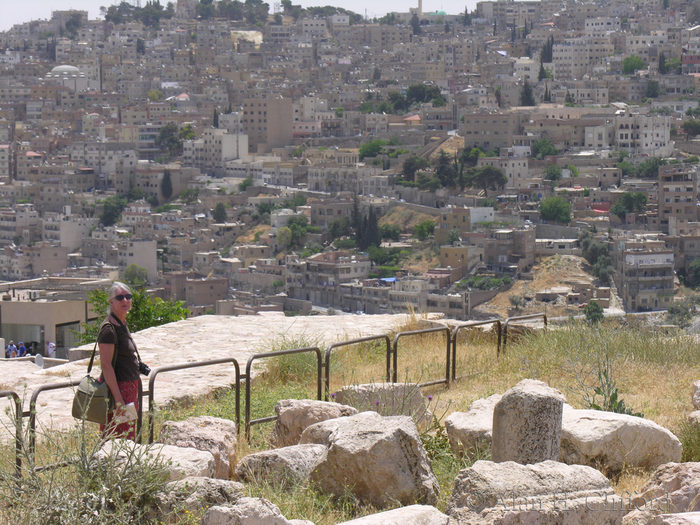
(541, 315)
(265, 355)
(156, 371)
(333, 346)
(472, 324)
(438, 329)
(18, 429)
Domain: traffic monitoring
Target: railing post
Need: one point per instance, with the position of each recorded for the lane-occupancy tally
(327, 362)
(18, 429)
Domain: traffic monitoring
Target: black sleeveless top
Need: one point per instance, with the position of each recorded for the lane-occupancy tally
(114, 332)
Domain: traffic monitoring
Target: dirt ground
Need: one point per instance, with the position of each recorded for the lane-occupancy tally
(557, 271)
(451, 146)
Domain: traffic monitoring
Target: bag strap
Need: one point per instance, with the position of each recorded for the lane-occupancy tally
(94, 348)
(128, 333)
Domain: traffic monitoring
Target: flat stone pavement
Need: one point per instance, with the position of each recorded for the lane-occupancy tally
(196, 339)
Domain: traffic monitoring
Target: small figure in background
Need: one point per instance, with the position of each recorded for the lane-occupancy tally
(21, 349)
(11, 349)
(52, 350)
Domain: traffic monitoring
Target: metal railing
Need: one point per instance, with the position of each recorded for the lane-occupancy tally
(321, 366)
(465, 326)
(18, 429)
(327, 364)
(31, 447)
(265, 355)
(520, 318)
(156, 371)
(412, 333)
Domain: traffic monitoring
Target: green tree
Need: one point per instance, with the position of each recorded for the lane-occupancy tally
(674, 66)
(255, 11)
(543, 148)
(140, 46)
(411, 165)
(371, 149)
(415, 24)
(555, 209)
(245, 184)
(168, 140)
(136, 275)
(547, 49)
(629, 202)
(298, 226)
(424, 229)
(488, 178)
(453, 236)
(339, 112)
(593, 312)
(632, 63)
(145, 312)
(692, 276)
(112, 210)
(166, 185)
(219, 214)
(186, 133)
(663, 69)
(390, 231)
(552, 172)
(691, 128)
(593, 250)
(445, 170)
(355, 215)
(468, 158)
(155, 95)
(652, 89)
(215, 119)
(284, 236)
(189, 196)
(339, 227)
(542, 74)
(370, 234)
(527, 98)
(74, 22)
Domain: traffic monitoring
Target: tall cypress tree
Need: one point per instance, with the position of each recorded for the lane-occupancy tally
(215, 120)
(361, 235)
(373, 235)
(356, 218)
(166, 185)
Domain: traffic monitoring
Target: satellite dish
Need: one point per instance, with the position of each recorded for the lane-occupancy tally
(39, 360)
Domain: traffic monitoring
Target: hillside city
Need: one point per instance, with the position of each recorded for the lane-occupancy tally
(245, 158)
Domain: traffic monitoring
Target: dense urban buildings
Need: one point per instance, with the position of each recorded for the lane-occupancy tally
(249, 161)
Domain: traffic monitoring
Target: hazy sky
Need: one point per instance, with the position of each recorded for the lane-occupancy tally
(18, 11)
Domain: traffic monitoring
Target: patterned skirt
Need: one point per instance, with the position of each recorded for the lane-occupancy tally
(114, 430)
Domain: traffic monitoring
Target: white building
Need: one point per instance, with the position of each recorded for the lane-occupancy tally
(214, 149)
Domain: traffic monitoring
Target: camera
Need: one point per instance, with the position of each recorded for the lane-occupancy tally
(144, 369)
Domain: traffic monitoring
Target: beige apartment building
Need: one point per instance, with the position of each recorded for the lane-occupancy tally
(678, 194)
(214, 149)
(576, 57)
(489, 130)
(267, 120)
(644, 272)
(450, 219)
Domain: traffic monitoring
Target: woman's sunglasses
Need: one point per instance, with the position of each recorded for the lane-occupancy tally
(121, 297)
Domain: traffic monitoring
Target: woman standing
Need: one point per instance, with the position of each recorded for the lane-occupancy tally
(123, 378)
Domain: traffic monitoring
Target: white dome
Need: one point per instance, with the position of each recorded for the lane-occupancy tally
(65, 71)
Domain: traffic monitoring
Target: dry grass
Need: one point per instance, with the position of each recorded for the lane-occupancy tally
(653, 373)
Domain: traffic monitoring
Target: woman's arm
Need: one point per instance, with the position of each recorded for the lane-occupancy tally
(106, 355)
